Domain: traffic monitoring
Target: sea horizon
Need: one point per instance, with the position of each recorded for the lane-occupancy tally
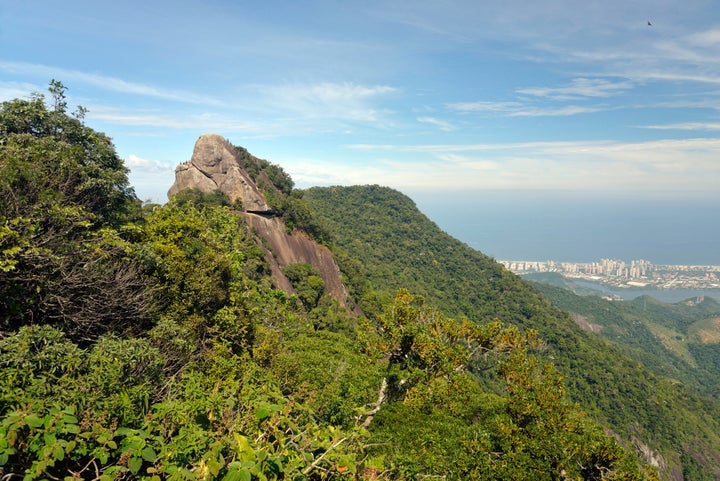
(570, 228)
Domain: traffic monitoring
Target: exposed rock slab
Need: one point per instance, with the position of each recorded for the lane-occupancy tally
(214, 165)
(299, 248)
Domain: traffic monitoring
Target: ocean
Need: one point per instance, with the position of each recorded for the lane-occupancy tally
(573, 228)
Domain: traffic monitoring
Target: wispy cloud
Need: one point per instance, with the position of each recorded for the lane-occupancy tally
(699, 126)
(688, 165)
(344, 101)
(441, 124)
(518, 109)
(707, 38)
(485, 106)
(141, 118)
(14, 90)
(555, 111)
(108, 83)
(580, 88)
(550, 101)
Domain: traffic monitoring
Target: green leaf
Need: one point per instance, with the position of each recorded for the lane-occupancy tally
(34, 421)
(244, 450)
(264, 411)
(237, 474)
(135, 464)
(70, 446)
(214, 466)
(11, 437)
(72, 428)
(59, 453)
(69, 419)
(148, 454)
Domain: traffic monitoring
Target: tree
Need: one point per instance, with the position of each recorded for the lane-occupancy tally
(57, 90)
(307, 282)
(64, 193)
(531, 432)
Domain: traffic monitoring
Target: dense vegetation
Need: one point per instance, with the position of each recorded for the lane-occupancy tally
(675, 340)
(148, 342)
(383, 242)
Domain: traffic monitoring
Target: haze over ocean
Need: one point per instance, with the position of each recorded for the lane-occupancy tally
(509, 225)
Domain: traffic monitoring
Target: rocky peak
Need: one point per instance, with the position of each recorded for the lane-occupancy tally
(214, 165)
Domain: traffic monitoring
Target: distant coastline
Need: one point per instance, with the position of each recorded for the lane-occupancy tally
(631, 279)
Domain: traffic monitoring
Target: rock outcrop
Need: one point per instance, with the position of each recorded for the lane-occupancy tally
(215, 165)
(298, 248)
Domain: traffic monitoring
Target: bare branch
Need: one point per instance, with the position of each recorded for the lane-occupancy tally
(322, 456)
(377, 405)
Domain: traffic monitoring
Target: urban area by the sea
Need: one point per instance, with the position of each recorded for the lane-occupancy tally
(619, 274)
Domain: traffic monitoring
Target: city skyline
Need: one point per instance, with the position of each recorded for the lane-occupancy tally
(618, 273)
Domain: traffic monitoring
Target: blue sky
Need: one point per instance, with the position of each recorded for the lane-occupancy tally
(434, 97)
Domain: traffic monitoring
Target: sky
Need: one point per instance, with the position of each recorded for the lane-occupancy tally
(439, 98)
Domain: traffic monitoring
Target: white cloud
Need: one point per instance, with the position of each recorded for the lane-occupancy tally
(688, 166)
(342, 101)
(14, 90)
(470, 162)
(701, 126)
(517, 109)
(579, 88)
(708, 38)
(206, 122)
(108, 83)
(483, 106)
(441, 124)
(556, 111)
(138, 165)
(678, 76)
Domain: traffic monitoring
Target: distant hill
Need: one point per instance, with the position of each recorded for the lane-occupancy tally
(680, 340)
(383, 243)
(558, 280)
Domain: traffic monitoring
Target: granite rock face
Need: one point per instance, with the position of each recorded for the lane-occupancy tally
(298, 248)
(214, 165)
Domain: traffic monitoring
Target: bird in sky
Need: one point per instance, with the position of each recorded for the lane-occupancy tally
(649, 24)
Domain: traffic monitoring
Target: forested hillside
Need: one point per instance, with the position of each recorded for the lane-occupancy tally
(675, 340)
(150, 342)
(384, 242)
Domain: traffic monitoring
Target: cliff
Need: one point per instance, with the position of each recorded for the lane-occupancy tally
(215, 164)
